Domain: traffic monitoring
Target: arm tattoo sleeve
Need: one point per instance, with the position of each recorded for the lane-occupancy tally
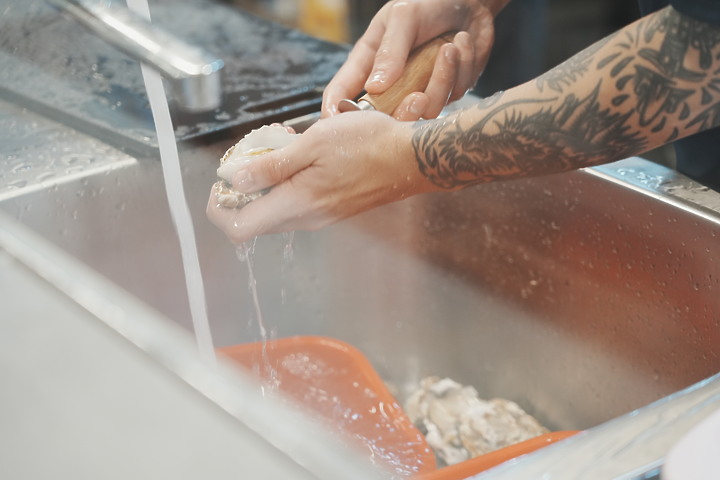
(650, 83)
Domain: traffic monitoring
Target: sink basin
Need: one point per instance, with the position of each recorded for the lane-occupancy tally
(579, 296)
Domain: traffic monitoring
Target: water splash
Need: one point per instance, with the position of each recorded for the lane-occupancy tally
(288, 255)
(244, 253)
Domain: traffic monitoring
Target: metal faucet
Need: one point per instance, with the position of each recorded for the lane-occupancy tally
(194, 74)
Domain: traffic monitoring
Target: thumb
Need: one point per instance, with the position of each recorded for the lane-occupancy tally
(267, 170)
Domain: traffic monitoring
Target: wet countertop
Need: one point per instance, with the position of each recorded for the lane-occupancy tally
(271, 72)
(37, 153)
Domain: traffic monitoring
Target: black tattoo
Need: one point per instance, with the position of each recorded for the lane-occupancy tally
(661, 84)
(657, 96)
(708, 118)
(649, 82)
(669, 59)
(571, 70)
(578, 133)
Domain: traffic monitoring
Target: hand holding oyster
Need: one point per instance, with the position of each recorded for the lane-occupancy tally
(255, 143)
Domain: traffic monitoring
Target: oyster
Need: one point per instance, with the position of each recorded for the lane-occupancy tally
(257, 142)
(459, 425)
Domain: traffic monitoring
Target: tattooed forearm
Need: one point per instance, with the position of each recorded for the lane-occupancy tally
(577, 132)
(650, 83)
(661, 81)
(568, 72)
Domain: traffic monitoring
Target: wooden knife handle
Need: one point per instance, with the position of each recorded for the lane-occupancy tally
(415, 77)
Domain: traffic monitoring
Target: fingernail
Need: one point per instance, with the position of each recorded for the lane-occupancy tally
(450, 54)
(462, 40)
(329, 111)
(243, 181)
(417, 107)
(377, 77)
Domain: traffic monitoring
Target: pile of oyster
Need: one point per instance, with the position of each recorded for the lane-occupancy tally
(459, 425)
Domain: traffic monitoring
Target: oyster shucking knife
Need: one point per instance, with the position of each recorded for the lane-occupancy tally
(415, 78)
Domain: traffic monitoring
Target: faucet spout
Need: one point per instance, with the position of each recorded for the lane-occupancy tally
(193, 73)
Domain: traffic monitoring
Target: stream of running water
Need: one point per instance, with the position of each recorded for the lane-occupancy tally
(177, 201)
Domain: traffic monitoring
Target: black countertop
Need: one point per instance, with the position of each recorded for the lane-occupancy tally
(53, 65)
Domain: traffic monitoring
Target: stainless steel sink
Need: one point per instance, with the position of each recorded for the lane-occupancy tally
(581, 296)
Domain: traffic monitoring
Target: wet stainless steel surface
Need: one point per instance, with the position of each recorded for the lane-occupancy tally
(97, 385)
(579, 297)
(631, 447)
(270, 71)
(194, 74)
(38, 153)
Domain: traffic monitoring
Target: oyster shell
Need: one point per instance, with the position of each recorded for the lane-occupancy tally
(255, 143)
(459, 425)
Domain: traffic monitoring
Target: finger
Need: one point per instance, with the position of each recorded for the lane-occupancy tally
(442, 79)
(412, 107)
(350, 79)
(270, 169)
(348, 82)
(392, 53)
(226, 220)
(483, 39)
(279, 211)
(288, 128)
(284, 209)
(466, 66)
(258, 217)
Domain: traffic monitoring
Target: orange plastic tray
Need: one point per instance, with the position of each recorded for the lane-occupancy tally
(338, 384)
(468, 468)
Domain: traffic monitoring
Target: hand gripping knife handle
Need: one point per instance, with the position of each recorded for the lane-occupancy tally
(415, 78)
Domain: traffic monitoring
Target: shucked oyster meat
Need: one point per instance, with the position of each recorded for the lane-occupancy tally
(257, 142)
(459, 425)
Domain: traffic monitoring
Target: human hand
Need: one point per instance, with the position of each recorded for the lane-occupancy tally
(339, 167)
(378, 58)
